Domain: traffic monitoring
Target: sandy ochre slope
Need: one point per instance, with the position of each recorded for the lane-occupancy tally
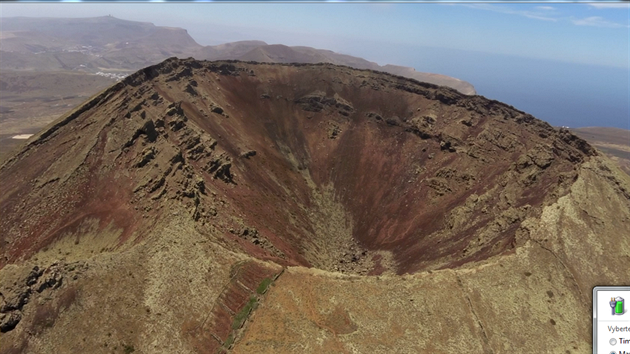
(204, 207)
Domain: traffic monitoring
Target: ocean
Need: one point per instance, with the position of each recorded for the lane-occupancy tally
(563, 94)
(560, 93)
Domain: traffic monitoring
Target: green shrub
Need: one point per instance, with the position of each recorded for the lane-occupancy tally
(241, 316)
(264, 284)
(228, 341)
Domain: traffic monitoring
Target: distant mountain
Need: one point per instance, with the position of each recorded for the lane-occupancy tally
(88, 44)
(227, 50)
(278, 53)
(107, 43)
(460, 85)
(93, 31)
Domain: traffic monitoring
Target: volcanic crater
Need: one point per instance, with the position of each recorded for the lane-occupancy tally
(315, 165)
(215, 207)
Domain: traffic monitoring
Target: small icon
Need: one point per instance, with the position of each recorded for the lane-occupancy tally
(612, 341)
(613, 352)
(617, 305)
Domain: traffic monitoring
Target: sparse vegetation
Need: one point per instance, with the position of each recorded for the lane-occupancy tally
(241, 316)
(264, 284)
(229, 341)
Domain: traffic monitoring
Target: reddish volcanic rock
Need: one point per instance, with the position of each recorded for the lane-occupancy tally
(202, 207)
(327, 166)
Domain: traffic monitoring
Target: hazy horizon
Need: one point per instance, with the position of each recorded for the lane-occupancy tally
(545, 59)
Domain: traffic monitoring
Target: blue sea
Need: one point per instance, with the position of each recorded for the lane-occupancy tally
(563, 94)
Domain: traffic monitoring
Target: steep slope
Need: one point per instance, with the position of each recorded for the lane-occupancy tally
(318, 144)
(34, 48)
(164, 207)
(613, 142)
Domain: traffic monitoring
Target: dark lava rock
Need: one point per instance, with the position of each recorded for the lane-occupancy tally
(9, 321)
(248, 154)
